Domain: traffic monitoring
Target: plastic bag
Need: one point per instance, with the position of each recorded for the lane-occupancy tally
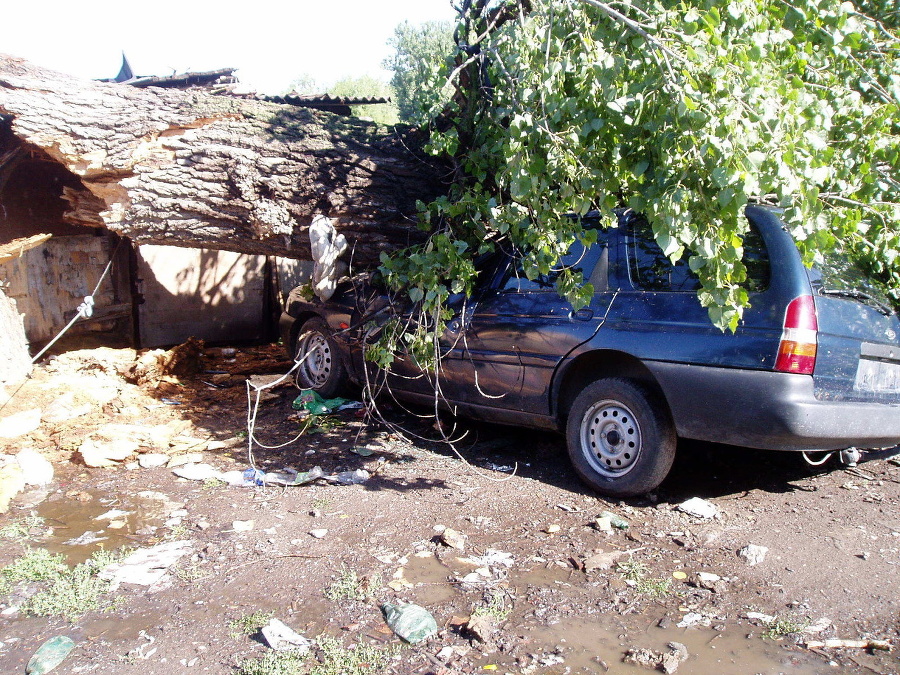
(410, 622)
(311, 400)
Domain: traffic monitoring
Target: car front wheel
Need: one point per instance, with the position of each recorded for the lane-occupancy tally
(620, 437)
(320, 366)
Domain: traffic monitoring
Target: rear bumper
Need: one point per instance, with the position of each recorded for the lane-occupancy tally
(776, 411)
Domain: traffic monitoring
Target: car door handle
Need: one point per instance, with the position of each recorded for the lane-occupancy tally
(583, 314)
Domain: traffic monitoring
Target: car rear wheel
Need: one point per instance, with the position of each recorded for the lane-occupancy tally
(620, 437)
(321, 368)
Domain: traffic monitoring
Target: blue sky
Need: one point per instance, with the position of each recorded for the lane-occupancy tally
(271, 43)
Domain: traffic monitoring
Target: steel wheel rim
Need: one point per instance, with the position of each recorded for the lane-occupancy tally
(610, 438)
(316, 354)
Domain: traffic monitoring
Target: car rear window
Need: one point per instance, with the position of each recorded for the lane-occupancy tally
(842, 274)
(651, 270)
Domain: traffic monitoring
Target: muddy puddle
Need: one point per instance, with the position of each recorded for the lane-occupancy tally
(599, 644)
(78, 525)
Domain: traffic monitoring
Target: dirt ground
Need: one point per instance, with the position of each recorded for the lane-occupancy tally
(501, 544)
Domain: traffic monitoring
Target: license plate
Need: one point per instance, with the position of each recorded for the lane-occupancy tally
(877, 376)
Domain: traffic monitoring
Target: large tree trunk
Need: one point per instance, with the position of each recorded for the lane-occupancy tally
(185, 168)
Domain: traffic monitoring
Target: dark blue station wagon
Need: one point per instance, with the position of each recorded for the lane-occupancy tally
(814, 365)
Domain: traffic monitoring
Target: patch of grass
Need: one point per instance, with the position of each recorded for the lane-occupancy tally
(273, 663)
(176, 532)
(497, 607)
(249, 624)
(21, 529)
(638, 574)
(212, 484)
(66, 592)
(349, 586)
(360, 659)
(189, 572)
(784, 626)
(36, 565)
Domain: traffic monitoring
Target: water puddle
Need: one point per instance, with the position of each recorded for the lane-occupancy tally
(429, 579)
(84, 523)
(598, 646)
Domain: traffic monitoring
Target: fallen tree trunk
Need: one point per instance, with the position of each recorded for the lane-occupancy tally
(190, 169)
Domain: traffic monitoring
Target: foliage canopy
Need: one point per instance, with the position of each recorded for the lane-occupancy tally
(684, 111)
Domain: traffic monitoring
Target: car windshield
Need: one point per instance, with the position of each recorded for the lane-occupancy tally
(842, 274)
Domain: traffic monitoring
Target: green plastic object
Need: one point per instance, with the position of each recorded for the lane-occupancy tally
(410, 622)
(49, 655)
(617, 522)
(311, 400)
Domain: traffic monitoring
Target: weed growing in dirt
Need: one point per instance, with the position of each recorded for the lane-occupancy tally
(191, 572)
(67, 592)
(784, 626)
(638, 576)
(321, 424)
(212, 484)
(497, 608)
(320, 503)
(359, 659)
(176, 532)
(21, 529)
(349, 586)
(249, 624)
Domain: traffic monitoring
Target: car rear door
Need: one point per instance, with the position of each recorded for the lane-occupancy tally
(503, 354)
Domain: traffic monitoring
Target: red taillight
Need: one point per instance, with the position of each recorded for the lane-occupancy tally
(797, 351)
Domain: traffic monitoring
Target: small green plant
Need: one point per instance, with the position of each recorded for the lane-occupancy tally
(320, 503)
(212, 484)
(360, 659)
(349, 586)
(242, 434)
(497, 608)
(21, 529)
(66, 592)
(249, 624)
(639, 575)
(176, 532)
(321, 424)
(190, 572)
(783, 626)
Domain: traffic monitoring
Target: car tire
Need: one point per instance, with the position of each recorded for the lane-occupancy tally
(321, 369)
(620, 437)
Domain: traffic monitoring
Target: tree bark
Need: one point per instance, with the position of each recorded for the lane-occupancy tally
(189, 169)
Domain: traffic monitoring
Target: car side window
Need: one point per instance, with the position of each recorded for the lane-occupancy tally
(578, 259)
(651, 270)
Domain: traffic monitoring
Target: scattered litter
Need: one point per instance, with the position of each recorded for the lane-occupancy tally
(197, 472)
(20, 424)
(603, 524)
(492, 558)
(453, 539)
(288, 477)
(146, 566)
(678, 574)
(170, 401)
(552, 529)
(699, 508)
(567, 508)
(692, 619)
(319, 533)
(85, 539)
(616, 521)
(311, 400)
(506, 468)
(753, 554)
(708, 577)
(49, 655)
(36, 469)
(819, 626)
(410, 622)
(837, 643)
(152, 460)
(357, 477)
(112, 514)
(759, 616)
(281, 638)
(243, 525)
(366, 451)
